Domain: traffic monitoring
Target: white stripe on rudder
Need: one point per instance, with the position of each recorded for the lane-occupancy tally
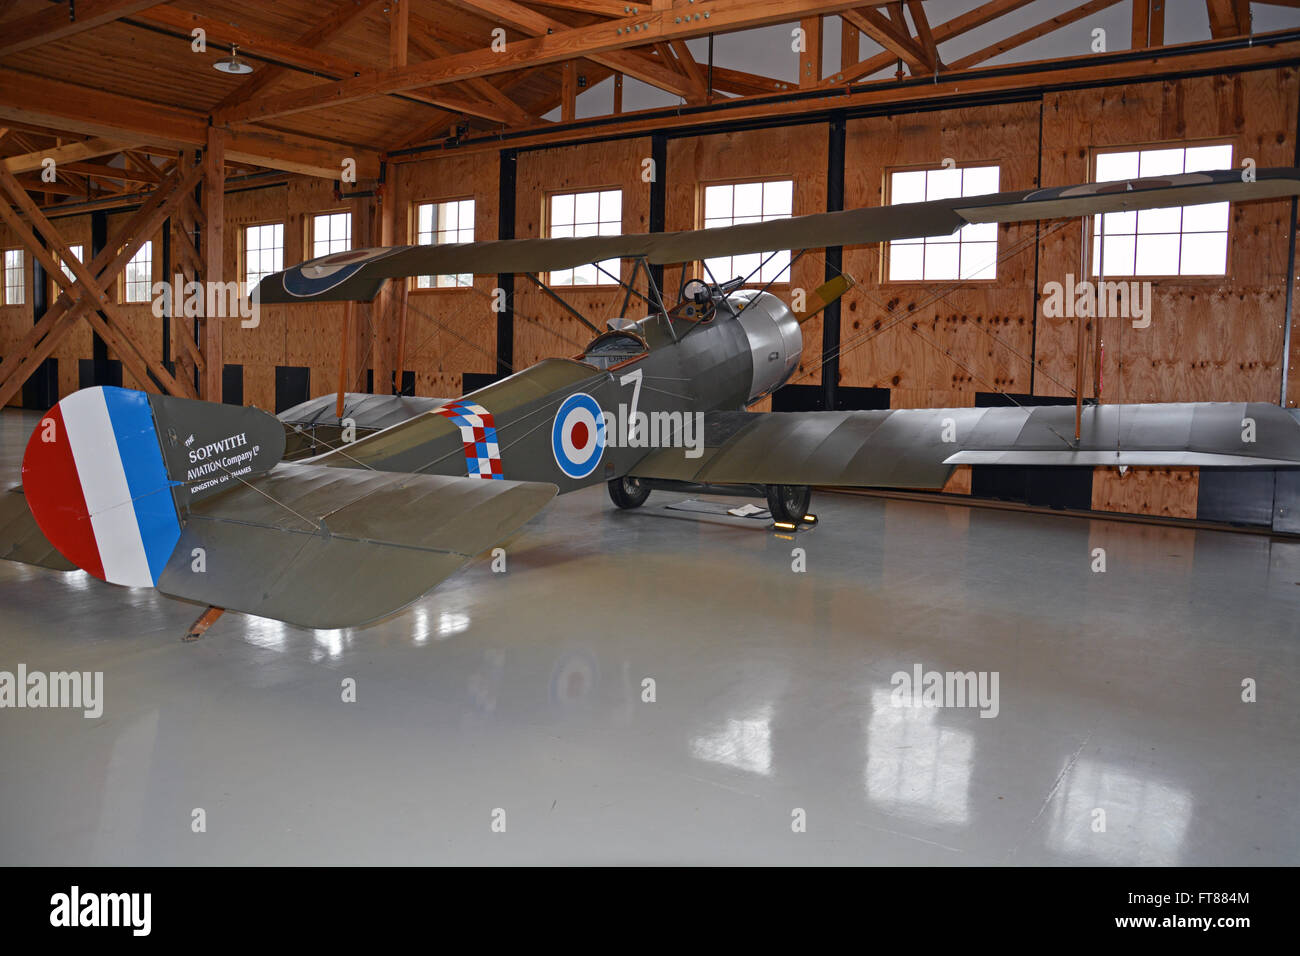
(103, 482)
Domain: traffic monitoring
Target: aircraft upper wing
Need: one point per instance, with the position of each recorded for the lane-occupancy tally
(360, 273)
(918, 448)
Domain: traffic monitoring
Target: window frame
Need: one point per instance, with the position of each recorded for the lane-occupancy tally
(413, 226)
(22, 274)
(310, 239)
(123, 282)
(1195, 279)
(243, 251)
(697, 268)
(608, 284)
(887, 191)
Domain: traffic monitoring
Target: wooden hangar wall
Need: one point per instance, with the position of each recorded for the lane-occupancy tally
(904, 343)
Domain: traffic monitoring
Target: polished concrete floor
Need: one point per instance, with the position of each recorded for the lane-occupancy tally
(1121, 736)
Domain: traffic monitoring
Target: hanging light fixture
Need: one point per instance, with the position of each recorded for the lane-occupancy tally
(234, 63)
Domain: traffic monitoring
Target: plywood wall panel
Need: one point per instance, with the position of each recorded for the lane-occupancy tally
(612, 165)
(940, 338)
(1165, 492)
(1211, 338)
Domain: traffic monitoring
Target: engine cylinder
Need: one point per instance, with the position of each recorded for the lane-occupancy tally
(775, 342)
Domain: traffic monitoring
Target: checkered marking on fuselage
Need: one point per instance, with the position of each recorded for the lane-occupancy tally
(478, 434)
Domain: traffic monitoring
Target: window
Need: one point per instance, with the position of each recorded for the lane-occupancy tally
(1177, 241)
(263, 252)
(597, 213)
(76, 251)
(15, 277)
(139, 275)
(971, 253)
(437, 223)
(331, 232)
(737, 203)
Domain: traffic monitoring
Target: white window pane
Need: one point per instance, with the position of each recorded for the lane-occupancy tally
(777, 268)
(1157, 255)
(743, 265)
(906, 262)
(942, 184)
(778, 198)
(1208, 157)
(718, 268)
(979, 260)
(612, 273)
(907, 187)
(717, 202)
(584, 275)
(610, 228)
(742, 220)
(1169, 219)
(562, 232)
(1115, 223)
(941, 260)
(586, 207)
(424, 220)
(1207, 217)
(979, 232)
(586, 229)
(1116, 257)
(979, 180)
(749, 200)
(1161, 162)
(1115, 166)
(611, 205)
(562, 210)
(1205, 254)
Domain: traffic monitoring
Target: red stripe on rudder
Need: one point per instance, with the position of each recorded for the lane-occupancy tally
(54, 494)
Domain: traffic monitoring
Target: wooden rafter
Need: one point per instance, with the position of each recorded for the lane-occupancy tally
(430, 47)
(890, 35)
(1228, 18)
(62, 155)
(924, 35)
(102, 113)
(338, 19)
(534, 23)
(37, 29)
(592, 42)
(1050, 25)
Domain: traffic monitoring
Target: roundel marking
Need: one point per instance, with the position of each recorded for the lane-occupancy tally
(578, 435)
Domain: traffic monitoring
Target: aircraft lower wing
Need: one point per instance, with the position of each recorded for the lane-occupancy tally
(919, 448)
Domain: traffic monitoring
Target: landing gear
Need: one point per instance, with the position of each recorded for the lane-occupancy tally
(789, 503)
(628, 492)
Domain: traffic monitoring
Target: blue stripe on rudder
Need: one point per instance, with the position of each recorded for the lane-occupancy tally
(146, 476)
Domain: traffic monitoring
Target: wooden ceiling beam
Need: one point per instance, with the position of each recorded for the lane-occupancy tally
(432, 48)
(339, 18)
(62, 155)
(593, 42)
(95, 112)
(890, 36)
(53, 24)
(1050, 25)
(1228, 18)
(305, 58)
(924, 35)
(534, 23)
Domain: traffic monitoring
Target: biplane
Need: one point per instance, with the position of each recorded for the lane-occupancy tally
(238, 509)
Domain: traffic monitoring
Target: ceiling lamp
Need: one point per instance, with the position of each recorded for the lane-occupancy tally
(234, 63)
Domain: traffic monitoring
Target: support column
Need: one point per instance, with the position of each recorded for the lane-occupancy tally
(214, 215)
(98, 347)
(506, 280)
(838, 133)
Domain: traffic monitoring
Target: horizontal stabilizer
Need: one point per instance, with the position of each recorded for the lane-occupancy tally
(339, 547)
(21, 538)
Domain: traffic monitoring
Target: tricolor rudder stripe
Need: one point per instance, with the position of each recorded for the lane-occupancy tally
(94, 478)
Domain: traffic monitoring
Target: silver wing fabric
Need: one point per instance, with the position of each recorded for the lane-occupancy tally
(359, 274)
(919, 448)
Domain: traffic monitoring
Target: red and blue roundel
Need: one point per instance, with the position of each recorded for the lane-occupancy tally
(578, 435)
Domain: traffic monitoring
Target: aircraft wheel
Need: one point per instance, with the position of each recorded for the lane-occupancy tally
(628, 492)
(788, 502)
